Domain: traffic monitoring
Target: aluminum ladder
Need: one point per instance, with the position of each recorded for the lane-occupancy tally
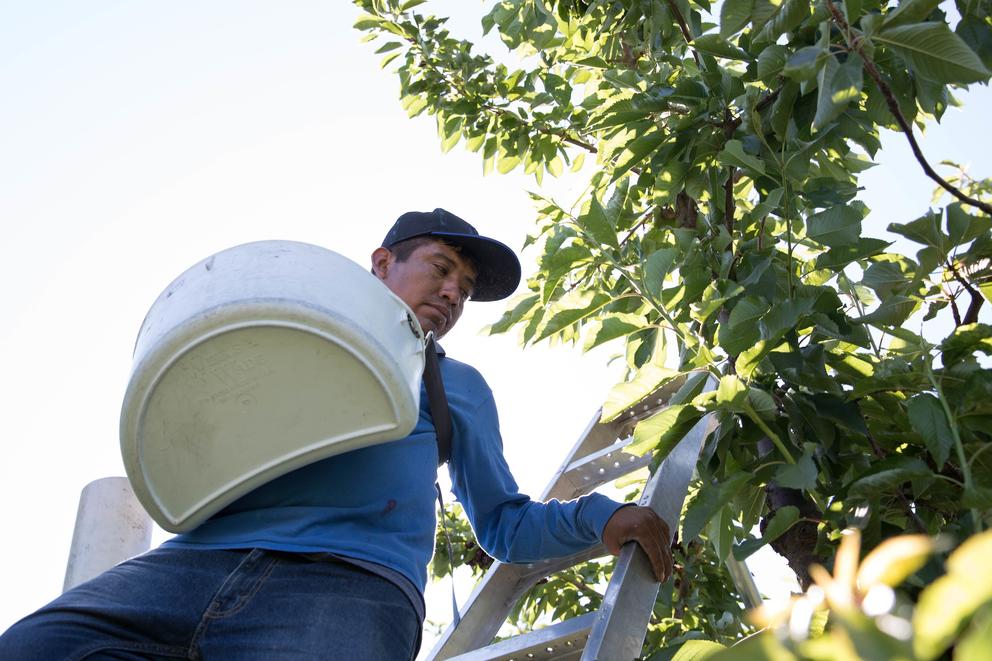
(616, 631)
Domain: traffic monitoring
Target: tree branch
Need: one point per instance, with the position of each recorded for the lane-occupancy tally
(855, 44)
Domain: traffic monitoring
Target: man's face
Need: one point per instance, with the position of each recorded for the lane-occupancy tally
(435, 281)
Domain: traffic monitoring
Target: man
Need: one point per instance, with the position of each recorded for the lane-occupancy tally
(330, 560)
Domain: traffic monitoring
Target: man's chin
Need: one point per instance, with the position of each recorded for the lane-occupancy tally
(428, 325)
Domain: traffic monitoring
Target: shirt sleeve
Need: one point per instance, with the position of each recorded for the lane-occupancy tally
(508, 524)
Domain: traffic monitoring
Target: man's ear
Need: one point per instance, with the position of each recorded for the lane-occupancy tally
(382, 259)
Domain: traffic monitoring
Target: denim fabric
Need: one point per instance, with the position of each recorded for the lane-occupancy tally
(244, 604)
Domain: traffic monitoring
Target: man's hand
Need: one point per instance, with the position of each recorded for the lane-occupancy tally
(641, 525)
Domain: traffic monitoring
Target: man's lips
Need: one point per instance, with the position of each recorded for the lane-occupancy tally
(442, 311)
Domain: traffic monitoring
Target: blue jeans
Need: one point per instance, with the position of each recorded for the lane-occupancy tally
(202, 604)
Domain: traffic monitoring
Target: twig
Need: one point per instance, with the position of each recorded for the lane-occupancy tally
(640, 223)
(581, 585)
(728, 188)
(768, 100)
(685, 31)
(855, 44)
(971, 316)
(954, 309)
(728, 200)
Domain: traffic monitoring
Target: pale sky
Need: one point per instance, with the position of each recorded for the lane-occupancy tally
(137, 139)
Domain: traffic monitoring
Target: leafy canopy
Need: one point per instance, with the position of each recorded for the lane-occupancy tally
(720, 230)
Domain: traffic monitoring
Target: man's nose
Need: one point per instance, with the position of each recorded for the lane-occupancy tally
(451, 292)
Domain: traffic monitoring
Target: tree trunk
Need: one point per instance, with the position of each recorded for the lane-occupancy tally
(797, 544)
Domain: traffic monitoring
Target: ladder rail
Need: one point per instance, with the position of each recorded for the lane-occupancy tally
(619, 630)
(595, 459)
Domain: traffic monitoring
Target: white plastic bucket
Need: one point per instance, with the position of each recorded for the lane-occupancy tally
(258, 360)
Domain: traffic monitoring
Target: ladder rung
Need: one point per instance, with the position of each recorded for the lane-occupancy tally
(503, 585)
(563, 641)
(595, 470)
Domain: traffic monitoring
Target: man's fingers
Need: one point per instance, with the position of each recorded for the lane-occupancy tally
(650, 531)
(658, 552)
(654, 539)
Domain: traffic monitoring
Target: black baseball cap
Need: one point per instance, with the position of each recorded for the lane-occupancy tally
(498, 266)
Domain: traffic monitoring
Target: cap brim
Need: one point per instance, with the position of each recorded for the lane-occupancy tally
(498, 266)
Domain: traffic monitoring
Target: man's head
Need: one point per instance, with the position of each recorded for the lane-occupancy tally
(435, 261)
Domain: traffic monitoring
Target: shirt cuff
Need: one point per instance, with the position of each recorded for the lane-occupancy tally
(600, 509)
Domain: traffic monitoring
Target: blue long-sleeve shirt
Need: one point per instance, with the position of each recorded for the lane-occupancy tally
(377, 504)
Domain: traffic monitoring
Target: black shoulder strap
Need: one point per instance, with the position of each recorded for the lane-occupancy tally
(438, 401)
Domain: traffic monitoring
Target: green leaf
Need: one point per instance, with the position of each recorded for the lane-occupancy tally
(805, 63)
(783, 519)
(925, 230)
(947, 604)
(514, 314)
(741, 328)
(720, 533)
(892, 312)
(762, 403)
(762, 646)
(771, 62)
(664, 430)
(749, 359)
(962, 227)
(624, 395)
(656, 267)
(731, 393)
(837, 226)
(846, 414)
(783, 108)
(838, 258)
(366, 21)
(838, 85)
(388, 46)
(697, 650)
(927, 418)
(800, 475)
(788, 15)
(708, 501)
(886, 475)
(852, 10)
(910, 11)
(977, 642)
(557, 264)
(965, 341)
(977, 33)
(714, 44)
(573, 307)
(713, 297)
(783, 317)
(934, 52)
(637, 151)
(612, 327)
(733, 154)
(734, 15)
(885, 277)
(596, 222)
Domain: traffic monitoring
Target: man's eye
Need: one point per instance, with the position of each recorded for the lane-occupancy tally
(441, 269)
